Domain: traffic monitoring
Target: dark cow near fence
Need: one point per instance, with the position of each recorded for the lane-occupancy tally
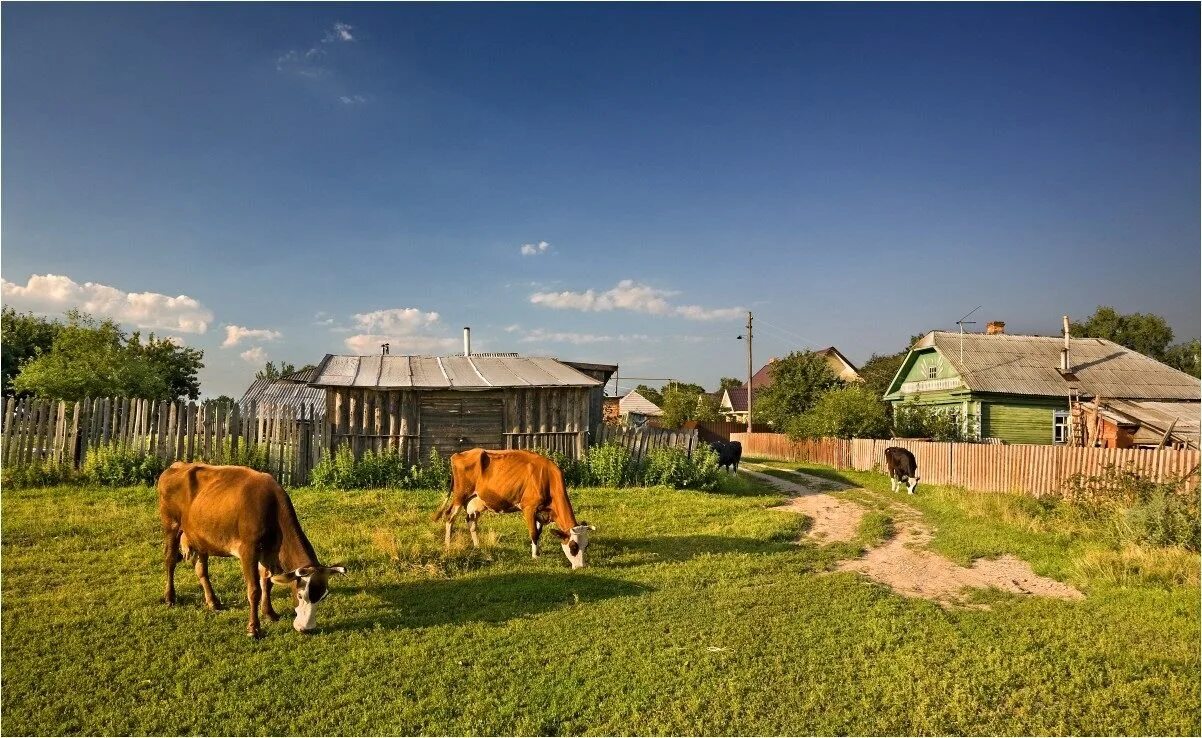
(235, 511)
(729, 453)
(902, 468)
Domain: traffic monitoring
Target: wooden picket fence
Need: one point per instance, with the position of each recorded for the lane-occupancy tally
(284, 440)
(645, 439)
(281, 438)
(1031, 469)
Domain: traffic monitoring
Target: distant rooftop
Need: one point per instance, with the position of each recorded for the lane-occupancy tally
(478, 371)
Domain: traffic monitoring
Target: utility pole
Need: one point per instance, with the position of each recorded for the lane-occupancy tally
(747, 336)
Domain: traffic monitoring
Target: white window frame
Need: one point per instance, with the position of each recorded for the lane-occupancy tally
(932, 372)
(1060, 426)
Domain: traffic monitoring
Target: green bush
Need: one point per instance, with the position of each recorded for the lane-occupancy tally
(1140, 509)
(919, 421)
(845, 412)
(673, 467)
(121, 465)
(611, 465)
(386, 469)
(433, 473)
(575, 472)
(37, 473)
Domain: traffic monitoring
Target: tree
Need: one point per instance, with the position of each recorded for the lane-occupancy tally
(879, 371)
(90, 359)
(269, 370)
(1146, 333)
(1185, 356)
(853, 411)
(223, 400)
(23, 336)
(179, 366)
(729, 383)
(709, 408)
(680, 403)
(798, 380)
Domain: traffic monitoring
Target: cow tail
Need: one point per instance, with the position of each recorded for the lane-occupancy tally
(445, 507)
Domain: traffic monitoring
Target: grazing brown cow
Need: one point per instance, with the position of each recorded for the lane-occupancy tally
(508, 481)
(235, 511)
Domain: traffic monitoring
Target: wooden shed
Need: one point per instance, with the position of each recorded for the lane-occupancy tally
(412, 404)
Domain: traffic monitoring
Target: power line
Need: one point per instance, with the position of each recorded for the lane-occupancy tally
(798, 336)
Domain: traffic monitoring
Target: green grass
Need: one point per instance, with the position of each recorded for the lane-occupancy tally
(699, 614)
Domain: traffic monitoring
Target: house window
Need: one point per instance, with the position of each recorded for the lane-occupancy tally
(1060, 426)
(932, 372)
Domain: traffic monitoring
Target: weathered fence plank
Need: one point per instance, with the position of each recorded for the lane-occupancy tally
(1031, 469)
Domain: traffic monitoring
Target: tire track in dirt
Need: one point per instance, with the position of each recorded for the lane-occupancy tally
(904, 562)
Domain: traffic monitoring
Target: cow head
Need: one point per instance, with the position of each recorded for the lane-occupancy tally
(574, 543)
(311, 584)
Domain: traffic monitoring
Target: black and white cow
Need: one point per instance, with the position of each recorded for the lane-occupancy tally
(902, 468)
(729, 453)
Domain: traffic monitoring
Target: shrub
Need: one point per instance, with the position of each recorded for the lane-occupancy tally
(611, 465)
(121, 465)
(37, 473)
(918, 421)
(433, 473)
(845, 412)
(1141, 510)
(575, 472)
(672, 467)
(371, 470)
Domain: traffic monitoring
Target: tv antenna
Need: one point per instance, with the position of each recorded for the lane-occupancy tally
(962, 322)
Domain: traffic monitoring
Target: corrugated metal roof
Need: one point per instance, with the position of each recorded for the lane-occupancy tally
(633, 402)
(446, 372)
(1029, 365)
(283, 392)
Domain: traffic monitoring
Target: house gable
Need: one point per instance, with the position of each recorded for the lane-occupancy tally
(924, 371)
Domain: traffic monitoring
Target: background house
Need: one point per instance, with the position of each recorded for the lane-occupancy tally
(1012, 388)
(290, 390)
(733, 403)
(636, 410)
(413, 404)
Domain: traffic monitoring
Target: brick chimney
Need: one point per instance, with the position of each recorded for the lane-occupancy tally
(995, 328)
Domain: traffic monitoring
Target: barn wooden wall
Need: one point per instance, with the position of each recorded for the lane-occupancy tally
(411, 422)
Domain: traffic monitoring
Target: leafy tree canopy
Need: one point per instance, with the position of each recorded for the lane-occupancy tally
(652, 394)
(853, 411)
(798, 380)
(90, 358)
(23, 336)
(686, 401)
(271, 371)
(1185, 356)
(1146, 333)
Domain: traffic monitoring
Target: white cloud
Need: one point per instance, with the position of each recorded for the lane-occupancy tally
(341, 32)
(176, 341)
(352, 99)
(323, 318)
(369, 343)
(633, 296)
(534, 249)
(294, 62)
(54, 293)
(539, 335)
(254, 355)
(513, 327)
(400, 321)
(235, 334)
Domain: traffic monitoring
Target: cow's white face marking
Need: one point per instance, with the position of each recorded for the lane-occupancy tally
(305, 618)
(575, 545)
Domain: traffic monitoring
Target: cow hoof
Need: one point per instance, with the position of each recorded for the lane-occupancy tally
(254, 633)
(215, 606)
(168, 601)
(273, 617)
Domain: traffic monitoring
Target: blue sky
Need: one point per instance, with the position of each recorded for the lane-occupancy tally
(281, 181)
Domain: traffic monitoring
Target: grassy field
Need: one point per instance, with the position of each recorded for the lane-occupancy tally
(700, 614)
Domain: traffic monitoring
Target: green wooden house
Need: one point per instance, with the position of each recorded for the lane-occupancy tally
(1013, 389)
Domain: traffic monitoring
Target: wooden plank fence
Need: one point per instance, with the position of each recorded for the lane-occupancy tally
(1031, 469)
(642, 440)
(281, 438)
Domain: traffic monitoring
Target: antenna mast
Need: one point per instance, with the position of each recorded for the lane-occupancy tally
(962, 322)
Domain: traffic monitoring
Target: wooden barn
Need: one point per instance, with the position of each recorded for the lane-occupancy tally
(452, 403)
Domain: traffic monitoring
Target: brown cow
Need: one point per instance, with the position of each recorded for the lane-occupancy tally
(507, 481)
(235, 511)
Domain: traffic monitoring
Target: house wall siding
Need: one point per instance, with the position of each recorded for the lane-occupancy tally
(1016, 421)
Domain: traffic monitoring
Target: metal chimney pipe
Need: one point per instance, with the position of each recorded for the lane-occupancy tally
(1064, 363)
(467, 341)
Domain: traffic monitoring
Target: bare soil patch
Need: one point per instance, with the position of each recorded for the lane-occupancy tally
(904, 562)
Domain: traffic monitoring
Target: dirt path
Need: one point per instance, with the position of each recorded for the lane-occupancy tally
(834, 519)
(904, 562)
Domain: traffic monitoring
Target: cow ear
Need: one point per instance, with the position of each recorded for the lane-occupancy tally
(285, 578)
(336, 569)
(305, 571)
(561, 534)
